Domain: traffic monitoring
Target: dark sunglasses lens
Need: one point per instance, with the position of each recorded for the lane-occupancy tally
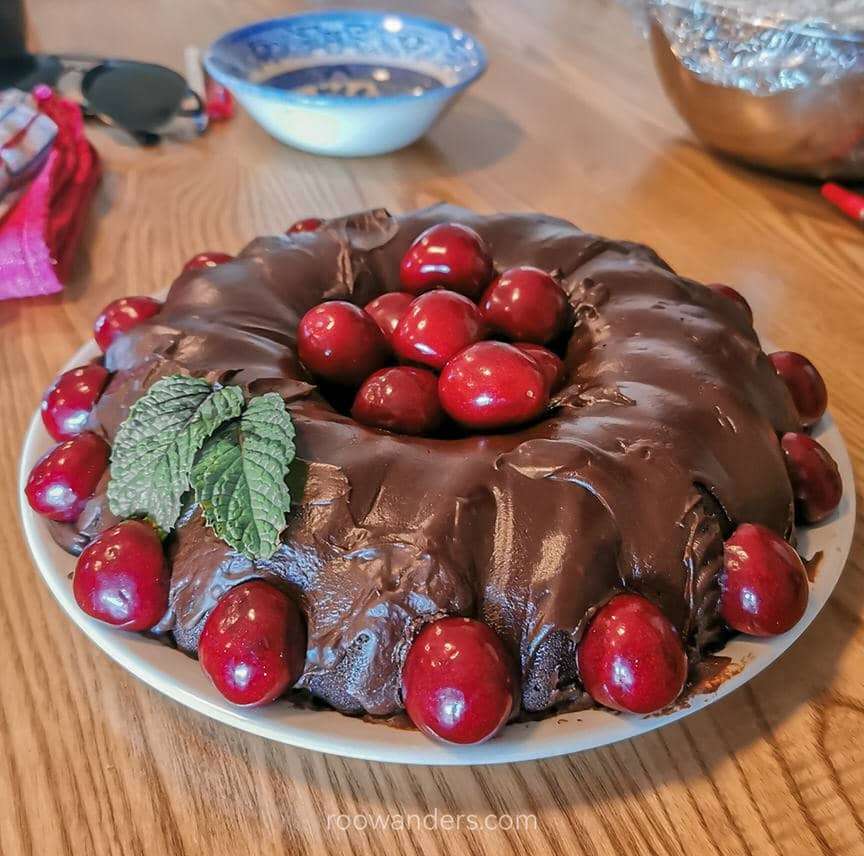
(136, 95)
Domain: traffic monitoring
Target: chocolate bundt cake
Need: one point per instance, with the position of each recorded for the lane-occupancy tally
(662, 439)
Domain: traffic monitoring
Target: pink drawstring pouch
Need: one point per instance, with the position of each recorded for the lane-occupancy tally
(40, 232)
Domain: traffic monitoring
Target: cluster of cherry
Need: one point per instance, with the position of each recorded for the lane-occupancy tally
(440, 327)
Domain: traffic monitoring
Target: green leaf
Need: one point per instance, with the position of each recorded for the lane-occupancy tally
(154, 449)
(239, 477)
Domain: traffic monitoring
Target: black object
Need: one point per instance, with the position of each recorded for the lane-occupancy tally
(144, 98)
(136, 95)
(13, 30)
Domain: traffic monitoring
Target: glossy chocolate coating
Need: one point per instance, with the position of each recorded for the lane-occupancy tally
(664, 436)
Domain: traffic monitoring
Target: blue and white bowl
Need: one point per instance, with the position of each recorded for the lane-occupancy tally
(346, 83)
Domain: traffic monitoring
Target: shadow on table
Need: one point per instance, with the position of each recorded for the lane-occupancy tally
(475, 134)
(8, 311)
(80, 276)
(675, 165)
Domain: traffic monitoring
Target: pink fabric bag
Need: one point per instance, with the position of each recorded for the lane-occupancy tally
(39, 234)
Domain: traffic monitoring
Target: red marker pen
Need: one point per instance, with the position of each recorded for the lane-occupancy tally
(851, 204)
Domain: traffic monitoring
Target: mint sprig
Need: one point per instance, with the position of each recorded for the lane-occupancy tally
(184, 432)
(155, 447)
(239, 478)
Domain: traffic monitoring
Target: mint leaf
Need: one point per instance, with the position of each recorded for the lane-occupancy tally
(154, 449)
(239, 477)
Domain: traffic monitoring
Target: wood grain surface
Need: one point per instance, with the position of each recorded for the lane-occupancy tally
(569, 120)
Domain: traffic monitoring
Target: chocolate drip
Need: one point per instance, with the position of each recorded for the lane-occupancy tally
(664, 437)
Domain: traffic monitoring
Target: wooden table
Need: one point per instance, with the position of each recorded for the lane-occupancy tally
(569, 120)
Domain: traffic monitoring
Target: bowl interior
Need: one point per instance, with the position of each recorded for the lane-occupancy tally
(346, 55)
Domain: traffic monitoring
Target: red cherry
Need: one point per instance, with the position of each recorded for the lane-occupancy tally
(207, 260)
(631, 657)
(492, 385)
(457, 682)
(550, 364)
(339, 342)
(732, 294)
(64, 478)
(805, 384)
(525, 303)
(400, 399)
(122, 578)
(69, 400)
(120, 316)
(764, 585)
(218, 101)
(253, 646)
(448, 255)
(310, 224)
(815, 478)
(436, 326)
(388, 310)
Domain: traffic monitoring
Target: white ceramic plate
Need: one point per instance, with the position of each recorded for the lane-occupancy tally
(181, 678)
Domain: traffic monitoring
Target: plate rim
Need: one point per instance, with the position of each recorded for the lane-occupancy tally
(334, 733)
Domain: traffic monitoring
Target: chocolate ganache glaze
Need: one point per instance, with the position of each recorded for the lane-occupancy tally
(663, 438)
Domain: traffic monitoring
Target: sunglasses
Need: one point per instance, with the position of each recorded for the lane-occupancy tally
(146, 100)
